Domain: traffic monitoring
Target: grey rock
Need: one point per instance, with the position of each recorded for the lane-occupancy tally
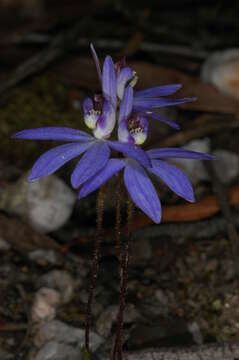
(60, 280)
(46, 203)
(226, 165)
(46, 257)
(55, 351)
(109, 316)
(105, 321)
(59, 332)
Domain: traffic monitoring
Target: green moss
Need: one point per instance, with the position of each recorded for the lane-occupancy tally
(42, 103)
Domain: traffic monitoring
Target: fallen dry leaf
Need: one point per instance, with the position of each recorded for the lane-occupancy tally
(200, 210)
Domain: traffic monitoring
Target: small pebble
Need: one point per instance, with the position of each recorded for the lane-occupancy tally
(222, 70)
(196, 333)
(60, 280)
(46, 257)
(44, 305)
(109, 316)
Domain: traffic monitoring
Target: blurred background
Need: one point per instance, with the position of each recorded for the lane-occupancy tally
(183, 280)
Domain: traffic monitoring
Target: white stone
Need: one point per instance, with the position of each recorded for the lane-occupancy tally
(45, 304)
(46, 203)
(61, 281)
(222, 70)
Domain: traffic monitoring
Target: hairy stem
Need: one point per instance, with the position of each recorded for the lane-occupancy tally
(124, 264)
(118, 219)
(95, 264)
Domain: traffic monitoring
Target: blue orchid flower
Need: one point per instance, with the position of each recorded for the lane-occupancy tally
(95, 165)
(95, 149)
(133, 129)
(147, 101)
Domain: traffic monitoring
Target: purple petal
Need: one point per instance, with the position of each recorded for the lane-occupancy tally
(159, 117)
(126, 104)
(113, 166)
(90, 163)
(174, 178)
(142, 191)
(157, 91)
(178, 153)
(142, 104)
(109, 80)
(123, 133)
(131, 151)
(53, 133)
(106, 122)
(124, 76)
(96, 60)
(53, 159)
(87, 105)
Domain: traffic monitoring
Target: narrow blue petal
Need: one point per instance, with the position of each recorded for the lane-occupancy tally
(96, 60)
(112, 167)
(126, 104)
(142, 191)
(53, 159)
(159, 117)
(142, 104)
(157, 91)
(53, 133)
(174, 178)
(109, 81)
(131, 151)
(90, 163)
(178, 153)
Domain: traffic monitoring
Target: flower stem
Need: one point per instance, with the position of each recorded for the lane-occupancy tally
(118, 219)
(124, 264)
(95, 264)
